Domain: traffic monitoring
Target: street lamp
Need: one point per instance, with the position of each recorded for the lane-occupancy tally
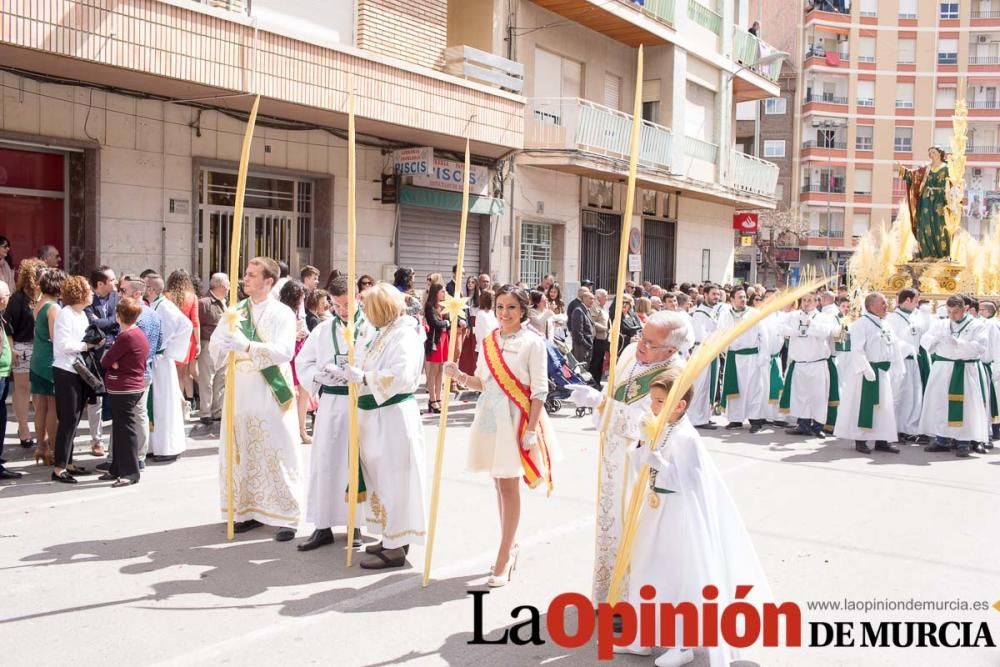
(832, 126)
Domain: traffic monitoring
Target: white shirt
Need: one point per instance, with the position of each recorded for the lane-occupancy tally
(525, 355)
(67, 340)
(486, 322)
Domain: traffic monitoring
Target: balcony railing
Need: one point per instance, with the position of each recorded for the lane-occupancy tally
(661, 10)
(483, 67)
(866, 59)
(828, 99)
(820, 52)
(702, 150)
(577, 124)
(704, 17)
(984, 60)
(865, 102)
(748, 50)
(832, 6)
(820, 233)
(982, 149)
(904, 104)
(239, 6)
(751, 174)
(836, 145)
(984, 104)
(988, 14)
(835, 188)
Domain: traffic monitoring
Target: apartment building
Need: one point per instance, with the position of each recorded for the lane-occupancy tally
(121, 125)
(877, 85)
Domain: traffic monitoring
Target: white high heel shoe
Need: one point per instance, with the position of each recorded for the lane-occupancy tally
(675, 657)
(503, 578)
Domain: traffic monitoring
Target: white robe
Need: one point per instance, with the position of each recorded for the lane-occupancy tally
(751, 402)
(992, 355)
(909, 394)
(809, 347)
(266, 467)
(392, 437)
(695, 536)
(624, 431)
(167, 436)
(944, 339)
(775, 342)
(326, 504)
(869, 344)
(704, 321)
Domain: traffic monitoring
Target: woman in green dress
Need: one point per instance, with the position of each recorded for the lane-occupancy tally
(42, 387)
(927, 196)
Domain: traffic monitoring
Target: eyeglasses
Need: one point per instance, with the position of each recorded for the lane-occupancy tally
(649, 346)
(367, 283)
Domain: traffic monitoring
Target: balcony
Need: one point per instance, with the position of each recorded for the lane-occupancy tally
(825, 98)
(828, 6)
(748, 50)
(751, 174)
(984, 60)
(987, 14)
(973, 150)
(238, 6)
(626, 21)
(831, 58)
(705, 17)
(588, 139)
(824, 144)
(485, 68)
(835, 188)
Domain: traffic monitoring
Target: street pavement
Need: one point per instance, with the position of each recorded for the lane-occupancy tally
(92, 575)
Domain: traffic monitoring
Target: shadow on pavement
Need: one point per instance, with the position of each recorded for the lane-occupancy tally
(833, 450)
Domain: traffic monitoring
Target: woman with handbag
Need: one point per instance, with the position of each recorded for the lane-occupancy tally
(71, 389)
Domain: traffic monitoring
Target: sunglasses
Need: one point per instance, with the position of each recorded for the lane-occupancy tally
(367, 282)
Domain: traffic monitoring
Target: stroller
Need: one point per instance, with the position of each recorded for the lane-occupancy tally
(563, 370)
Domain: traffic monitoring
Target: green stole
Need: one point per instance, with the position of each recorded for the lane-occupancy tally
(833, 396)
(272, 374)
(730, 376)
(994, 412)
(870, 389)
(635, 388)
(923, 359)
(776, 383)
(956, 386)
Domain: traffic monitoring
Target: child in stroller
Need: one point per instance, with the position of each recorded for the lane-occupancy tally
(563, 370)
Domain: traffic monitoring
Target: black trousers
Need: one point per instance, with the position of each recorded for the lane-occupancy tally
(601, 348)
(71, 399)
(125, 432)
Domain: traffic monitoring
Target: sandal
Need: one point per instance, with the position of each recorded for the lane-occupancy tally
(76, 470)
(27, 443)
(123, 481)
(97, 449)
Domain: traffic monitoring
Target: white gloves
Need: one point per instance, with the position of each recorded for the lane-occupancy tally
(450, 369)
(529, 440)
(235, 341)
(584, 396)
(348, 374)
(632, 422)
(869, 374)
(328, 375)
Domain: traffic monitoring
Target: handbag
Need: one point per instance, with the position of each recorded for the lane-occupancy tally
(83, 367)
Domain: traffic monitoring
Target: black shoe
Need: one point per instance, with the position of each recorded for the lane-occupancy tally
(142, 464)
(962, 450)
(27, 443)
(882, 446)
(357, 541)
(320, 538)
(616, 624)
(979, 448)
(780, 423)
(64, 477)
(820, 433)
(107, 477)
(165, 459)
(244, 526)
(708, 426)
(937, 447)
(862, 446)
(205, 421)
(756, 428)
(104, 467)
(989, 445)
(798, 431)
(923, 440)
(732, 426)
(284, 535)
(77, 470)
(378, 548)
(384, 559)
(10, 474)
(906, 437)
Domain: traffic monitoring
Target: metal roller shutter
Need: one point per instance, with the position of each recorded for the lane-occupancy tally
(428, 241)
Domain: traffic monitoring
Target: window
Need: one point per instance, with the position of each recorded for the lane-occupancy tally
(779, 191)
(651, 100)
(866, 50)
(774, 148)
(651, 112)
(612, 91)
(869, 7)
(863, 142)
(866, 93)
(949, 10)
(706, 264)
(904, 95)
(556, 76)
(775, 106)
(862, 181)
(906, 51)
(945, 98)
(907, 9)
(699, 121)
(536, 252)
(947, 51)
(746, 110)
(942, 136)
(862, 221)
(903, 140)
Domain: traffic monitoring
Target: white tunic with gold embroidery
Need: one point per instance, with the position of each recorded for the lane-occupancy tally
(392, 436)
(266, 469)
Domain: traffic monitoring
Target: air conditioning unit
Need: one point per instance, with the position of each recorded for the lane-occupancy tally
(983, 39)
(977, 172)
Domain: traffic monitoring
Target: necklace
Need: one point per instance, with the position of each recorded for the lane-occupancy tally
(377, 345)
(654, 496)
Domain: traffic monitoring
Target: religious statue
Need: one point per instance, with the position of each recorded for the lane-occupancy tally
(927, 197)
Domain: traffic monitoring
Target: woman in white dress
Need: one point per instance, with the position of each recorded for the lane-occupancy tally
(510, 435)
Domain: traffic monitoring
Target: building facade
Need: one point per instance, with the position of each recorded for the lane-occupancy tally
(121, 126)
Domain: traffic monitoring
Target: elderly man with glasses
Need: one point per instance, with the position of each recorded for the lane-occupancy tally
(622, 407)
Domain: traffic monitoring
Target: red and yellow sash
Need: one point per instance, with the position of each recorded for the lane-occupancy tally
(520, 396)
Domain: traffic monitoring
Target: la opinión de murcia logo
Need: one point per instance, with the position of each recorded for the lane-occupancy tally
(739, 624)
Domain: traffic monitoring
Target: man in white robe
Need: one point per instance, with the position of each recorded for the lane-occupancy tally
(387, 372)
(623, 406)
(747, 359)
(828, 303)
(867, 409)
(991, 364)
(705, 320)
(167, 439)
(266, 463)
(909, 324)
(324, 351)
(810, 393)
(774, 375)
(955, 407)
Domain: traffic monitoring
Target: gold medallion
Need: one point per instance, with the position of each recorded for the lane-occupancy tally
(654, 499)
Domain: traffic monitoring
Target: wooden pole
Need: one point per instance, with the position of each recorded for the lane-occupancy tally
(454, 306)
(353, 453)
(235, 239)
(616, 326)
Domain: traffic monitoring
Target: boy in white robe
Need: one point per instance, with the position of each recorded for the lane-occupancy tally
(989, 312)
(867, 408)
(705, 320)
(955, 407)
(266, 464)
(388, 367)
(748, 358)
(167, 439)
(810, 393)
(690, 533)
(325, 351)
(909, 325)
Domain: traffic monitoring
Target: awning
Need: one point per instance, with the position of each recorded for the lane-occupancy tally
(449, 201)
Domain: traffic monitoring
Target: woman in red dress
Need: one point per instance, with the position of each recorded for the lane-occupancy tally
(180, 290)
(436, 344)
